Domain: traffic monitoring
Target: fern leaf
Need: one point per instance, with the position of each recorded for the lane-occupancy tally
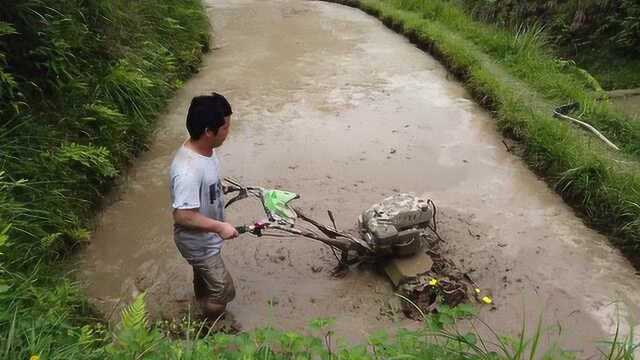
(134, 316)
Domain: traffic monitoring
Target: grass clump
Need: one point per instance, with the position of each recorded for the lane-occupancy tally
(438, 337)
(81, 83)
(613, 70)
(601, 36)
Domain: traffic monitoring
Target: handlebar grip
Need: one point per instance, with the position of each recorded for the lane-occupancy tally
(242, 229)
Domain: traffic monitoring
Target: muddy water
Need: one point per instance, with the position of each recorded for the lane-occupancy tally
(330, 104)
(629, 105)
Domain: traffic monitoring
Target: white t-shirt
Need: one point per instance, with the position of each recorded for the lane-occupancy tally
(195, 184)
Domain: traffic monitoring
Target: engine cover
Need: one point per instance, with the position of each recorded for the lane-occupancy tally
(395, 225)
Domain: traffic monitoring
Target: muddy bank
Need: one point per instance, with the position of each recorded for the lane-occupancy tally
(332, 105)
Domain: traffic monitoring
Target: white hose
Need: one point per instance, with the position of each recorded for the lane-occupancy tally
(588, 127)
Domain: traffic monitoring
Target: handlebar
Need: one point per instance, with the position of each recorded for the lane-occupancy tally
(242, 229)
(281, 217)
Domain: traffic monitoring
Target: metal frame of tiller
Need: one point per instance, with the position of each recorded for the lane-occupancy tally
(352, 249)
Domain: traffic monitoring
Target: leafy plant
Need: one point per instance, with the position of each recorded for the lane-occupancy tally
(80, 85)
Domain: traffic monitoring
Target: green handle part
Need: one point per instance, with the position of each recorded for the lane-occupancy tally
(277, 202)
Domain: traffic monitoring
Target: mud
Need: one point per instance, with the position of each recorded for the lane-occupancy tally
(330, 104)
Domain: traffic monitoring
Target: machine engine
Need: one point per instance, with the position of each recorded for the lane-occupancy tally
(396, 225)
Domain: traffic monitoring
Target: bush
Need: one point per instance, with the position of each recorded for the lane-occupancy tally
(80, 85)
(614, 25)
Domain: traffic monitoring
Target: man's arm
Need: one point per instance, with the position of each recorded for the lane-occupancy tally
(191, 218)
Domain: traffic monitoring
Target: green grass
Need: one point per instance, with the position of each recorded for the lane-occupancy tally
(80, 86)
(439, 337)
(613, 71)
(601, 36)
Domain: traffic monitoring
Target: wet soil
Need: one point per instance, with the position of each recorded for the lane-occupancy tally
(332, 105)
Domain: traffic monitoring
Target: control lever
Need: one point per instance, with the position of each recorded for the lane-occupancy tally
(255, 229)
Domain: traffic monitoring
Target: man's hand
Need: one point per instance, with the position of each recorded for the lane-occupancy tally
(227, 231)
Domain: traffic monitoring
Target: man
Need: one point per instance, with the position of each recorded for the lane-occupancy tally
(198, 204)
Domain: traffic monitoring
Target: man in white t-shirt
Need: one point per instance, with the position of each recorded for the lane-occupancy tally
(198, 203)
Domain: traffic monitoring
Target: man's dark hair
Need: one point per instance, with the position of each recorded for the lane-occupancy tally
(207, 112)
